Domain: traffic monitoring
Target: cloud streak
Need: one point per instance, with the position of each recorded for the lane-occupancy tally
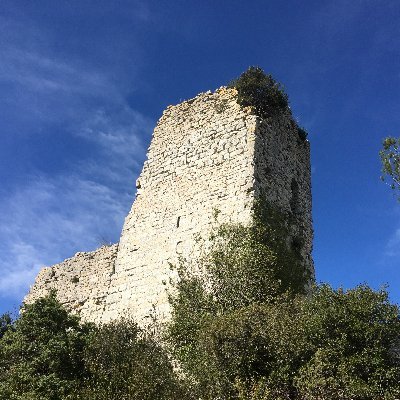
(43, 86)
(53, 215)
(121, 139)
(392, 249)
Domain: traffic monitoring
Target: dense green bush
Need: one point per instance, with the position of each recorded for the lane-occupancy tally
(41, 357)
(327, 345)
(261, 91)
(126, 363)
(242, 329)
(242, 266)
(48, 354)
(6, 323)
(351, 339)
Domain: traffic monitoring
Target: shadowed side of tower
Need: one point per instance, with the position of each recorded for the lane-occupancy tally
(282, 176)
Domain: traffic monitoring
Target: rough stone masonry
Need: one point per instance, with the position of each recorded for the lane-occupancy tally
(208, 153)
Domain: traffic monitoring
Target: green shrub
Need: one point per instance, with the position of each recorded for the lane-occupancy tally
(125, 362)
(243, 267)
(48, 354)
(6, 323)
(41, 357)
(261, 91)
(351, 337)
(243, 328)
(327, 345)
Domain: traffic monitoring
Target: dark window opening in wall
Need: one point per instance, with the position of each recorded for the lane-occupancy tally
(178, 222)
(179, 247)
(295, 200)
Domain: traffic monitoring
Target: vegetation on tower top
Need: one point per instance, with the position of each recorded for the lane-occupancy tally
(262, 92)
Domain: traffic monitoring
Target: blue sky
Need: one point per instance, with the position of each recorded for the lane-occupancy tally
(82, 84)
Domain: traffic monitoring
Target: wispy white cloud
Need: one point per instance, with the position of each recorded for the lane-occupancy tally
(55, 215)
(21, 262)
(51, 90)
(41, 74)
(121, 139)
(41, 85)
(393, 245)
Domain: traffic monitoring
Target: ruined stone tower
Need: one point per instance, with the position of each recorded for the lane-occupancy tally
(206, 153)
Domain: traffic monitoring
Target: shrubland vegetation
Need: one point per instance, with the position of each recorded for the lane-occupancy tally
(48, 354)
(242, 327)
(245, 329)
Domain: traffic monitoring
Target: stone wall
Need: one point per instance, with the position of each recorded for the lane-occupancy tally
(206, 154)
(82, 282)
(200, 159)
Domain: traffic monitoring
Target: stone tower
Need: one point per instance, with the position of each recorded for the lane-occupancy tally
(206, 153)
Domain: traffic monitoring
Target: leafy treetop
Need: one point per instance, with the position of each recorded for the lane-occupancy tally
(390, 158)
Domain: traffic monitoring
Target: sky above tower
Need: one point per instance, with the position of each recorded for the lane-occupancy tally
(82, 84)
